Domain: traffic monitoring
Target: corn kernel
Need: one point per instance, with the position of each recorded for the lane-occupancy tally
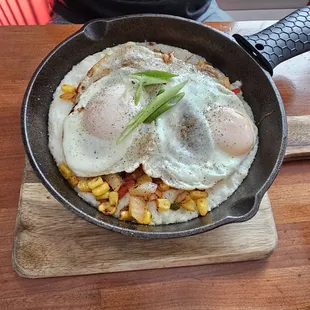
(100, 189)
(147, 217)
(65, 171)
(189, 204)
(163, 187)
(95, 182)
(104, 196)
(198, 194)
(73, 180)
(163, 204)
(124, 216)
(67, 88)
(145, 178)
(83, 186)
(106, 208)
(67, 96)
(202, 206)
(113, 198)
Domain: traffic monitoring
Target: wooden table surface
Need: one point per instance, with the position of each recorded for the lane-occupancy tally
(280, 282)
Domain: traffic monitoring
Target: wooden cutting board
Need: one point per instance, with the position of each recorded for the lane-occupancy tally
(51, 241)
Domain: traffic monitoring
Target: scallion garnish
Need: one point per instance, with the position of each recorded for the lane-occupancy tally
(163, 75)
(166, 106)
(160, 91)
(138, 92)
(148, 110)
(151, 77)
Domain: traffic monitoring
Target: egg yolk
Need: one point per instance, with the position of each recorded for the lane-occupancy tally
(106, 113)
(232, 131)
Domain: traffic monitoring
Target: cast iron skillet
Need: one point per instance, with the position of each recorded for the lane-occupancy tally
(286, 39)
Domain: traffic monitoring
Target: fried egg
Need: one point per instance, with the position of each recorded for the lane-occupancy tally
(91, 131)
(206, 141)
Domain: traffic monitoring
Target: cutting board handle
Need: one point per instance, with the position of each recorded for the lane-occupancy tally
(298, 146)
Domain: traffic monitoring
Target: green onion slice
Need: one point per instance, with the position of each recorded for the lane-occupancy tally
(151, 77)
(160, 91)
(163, 75)
(155, 104)
(166, 106)
(138, 91)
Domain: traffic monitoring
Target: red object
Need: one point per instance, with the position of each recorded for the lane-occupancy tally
(128, 183)
(236, 90)
(25, 12)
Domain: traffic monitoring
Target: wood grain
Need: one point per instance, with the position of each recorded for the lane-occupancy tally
(298, 146)
(42, 237)
(280, 282)
(42, 223)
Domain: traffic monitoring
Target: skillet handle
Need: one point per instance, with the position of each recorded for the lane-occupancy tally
(284, 40)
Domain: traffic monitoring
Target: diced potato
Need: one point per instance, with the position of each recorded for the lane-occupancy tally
(226, 82)
(163, 204)
(65, 171)
(159, 193)
(167, 58)
(94, 182)
(101, 189)
(136, 208)
(198, 194)
(106, 208)
(145, 189)
(83, 186)
(113, 198)
(144, 179)
(163, 187)
(67, 96)
(182, 196)
(189, 204)
(204, 66)
(114, 180)
(202, 206)
(124, 201)
(171, 194)
(153, 197)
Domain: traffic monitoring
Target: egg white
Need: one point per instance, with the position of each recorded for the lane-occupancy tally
(185, 145)
(165, 161)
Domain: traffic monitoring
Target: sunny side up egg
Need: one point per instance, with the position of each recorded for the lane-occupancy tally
(204, 139)
(89, 140)
(207, 141)
(193, 145)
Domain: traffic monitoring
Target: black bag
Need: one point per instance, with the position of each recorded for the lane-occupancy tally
(81, 11)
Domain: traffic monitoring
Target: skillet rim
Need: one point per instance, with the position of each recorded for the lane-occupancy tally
(138, 233)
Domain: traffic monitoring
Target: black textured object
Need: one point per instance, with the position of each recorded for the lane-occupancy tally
(281, 41)
(218, 48)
